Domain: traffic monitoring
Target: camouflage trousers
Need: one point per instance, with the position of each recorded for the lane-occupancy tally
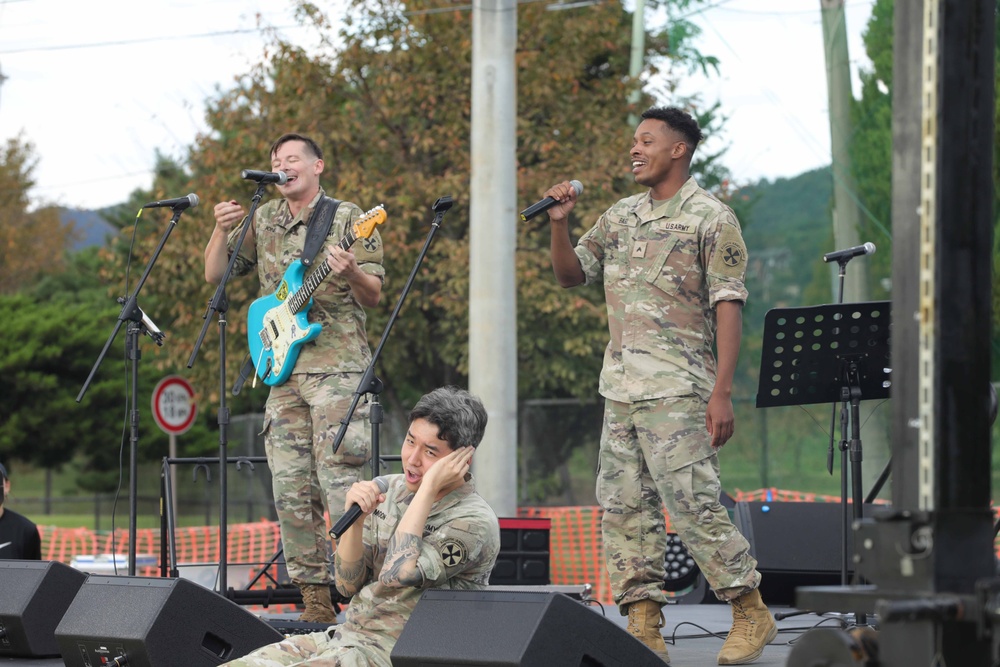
(657, 454)
(315, 650)
(301, 420)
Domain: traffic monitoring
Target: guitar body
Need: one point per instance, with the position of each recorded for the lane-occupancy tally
(277, 324)
(275, 333)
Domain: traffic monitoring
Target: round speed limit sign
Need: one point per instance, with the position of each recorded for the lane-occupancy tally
(174, 408)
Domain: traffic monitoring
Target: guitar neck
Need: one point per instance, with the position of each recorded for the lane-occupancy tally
(309, 285)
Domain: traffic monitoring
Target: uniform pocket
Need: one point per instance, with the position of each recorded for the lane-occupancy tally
(671, 267)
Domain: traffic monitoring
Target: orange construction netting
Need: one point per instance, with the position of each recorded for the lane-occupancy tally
(576, 555)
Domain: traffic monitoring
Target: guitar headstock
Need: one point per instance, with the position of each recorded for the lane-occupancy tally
(365, 225)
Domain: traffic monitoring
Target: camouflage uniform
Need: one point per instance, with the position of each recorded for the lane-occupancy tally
(460, 545)
(302, 415)
(664, 270)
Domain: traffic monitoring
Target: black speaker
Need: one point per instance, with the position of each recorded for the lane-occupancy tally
(506, 628)
(796, 544)
(34, 595)
(524, 553)
(156, 622)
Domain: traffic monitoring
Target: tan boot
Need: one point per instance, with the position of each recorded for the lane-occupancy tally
(644, 622)
(319, 608)
(753, 629)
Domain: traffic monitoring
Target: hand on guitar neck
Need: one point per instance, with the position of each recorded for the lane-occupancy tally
(367, 288)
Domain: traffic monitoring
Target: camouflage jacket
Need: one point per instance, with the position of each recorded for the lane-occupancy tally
(460, 545)
(342, 346)
(663, 272)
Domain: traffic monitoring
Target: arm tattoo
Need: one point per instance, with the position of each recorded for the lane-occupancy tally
(400, 568)
(348, 576)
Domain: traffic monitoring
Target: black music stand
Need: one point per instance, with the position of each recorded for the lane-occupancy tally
(829, 354)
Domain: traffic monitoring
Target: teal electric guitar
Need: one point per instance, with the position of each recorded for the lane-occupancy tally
(278, 324)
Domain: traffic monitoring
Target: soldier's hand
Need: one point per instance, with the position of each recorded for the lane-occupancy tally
(449, 471)
(342, 262)
(565, 194)
(720, 420)
(228, 214)
(366, 495)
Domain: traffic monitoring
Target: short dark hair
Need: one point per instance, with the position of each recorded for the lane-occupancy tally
(3, 473)
(459, 416)
(679, 121)
(294, 136)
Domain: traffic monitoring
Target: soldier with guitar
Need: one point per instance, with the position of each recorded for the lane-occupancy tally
(311, 348)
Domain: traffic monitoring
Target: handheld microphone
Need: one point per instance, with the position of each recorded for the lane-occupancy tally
(849, 253)
(278, 177)
(547, 203)
(178, 204)
(352, 514)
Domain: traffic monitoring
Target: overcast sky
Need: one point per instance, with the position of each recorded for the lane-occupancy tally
(99, 87)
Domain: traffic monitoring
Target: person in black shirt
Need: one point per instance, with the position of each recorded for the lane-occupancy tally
(19, 539)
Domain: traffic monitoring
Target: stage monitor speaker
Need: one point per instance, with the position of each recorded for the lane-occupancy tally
(795, 544)
(156, 622)
(34, 595)
(505, 628)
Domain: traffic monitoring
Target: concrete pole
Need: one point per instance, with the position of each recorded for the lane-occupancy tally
(492, 243)
(846, 214)
(637, 59)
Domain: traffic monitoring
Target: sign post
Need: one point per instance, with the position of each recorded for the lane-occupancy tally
(174, 410)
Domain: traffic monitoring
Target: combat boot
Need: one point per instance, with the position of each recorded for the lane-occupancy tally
(319, 608)
(753, 629)
(644, 622)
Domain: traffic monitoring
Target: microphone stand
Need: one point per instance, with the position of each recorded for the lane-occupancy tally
(132, 314)
(220, 304)
(850, 395)
(369, 383)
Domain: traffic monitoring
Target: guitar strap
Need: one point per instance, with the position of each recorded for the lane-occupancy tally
(319, 228)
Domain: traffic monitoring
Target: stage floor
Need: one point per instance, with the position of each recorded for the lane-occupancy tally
(694, 635)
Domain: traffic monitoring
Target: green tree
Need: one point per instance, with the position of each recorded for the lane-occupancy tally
(871, 146)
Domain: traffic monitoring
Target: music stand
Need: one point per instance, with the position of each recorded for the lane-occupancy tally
(829, 354)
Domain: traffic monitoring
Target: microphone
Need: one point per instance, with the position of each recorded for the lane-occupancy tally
(278, 177)
(547, 203)
(849, 253)
(178, 204)
(352, 514)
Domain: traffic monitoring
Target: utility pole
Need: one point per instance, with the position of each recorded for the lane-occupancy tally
(846, 213)
(492, 244)
(637, 59)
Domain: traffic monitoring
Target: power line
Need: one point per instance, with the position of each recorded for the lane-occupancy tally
(142, 40)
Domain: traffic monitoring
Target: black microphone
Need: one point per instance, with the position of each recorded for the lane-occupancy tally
(178, 204)
(849, 253)
(547, 203)
(278, 177)
(352, 514)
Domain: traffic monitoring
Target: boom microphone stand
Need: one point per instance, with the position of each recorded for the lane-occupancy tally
(369, 383)
(220, 304)
(138, 323)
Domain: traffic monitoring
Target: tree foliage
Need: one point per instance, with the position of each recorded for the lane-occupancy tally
(391, 107)
(31, 242)
(871, 146)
